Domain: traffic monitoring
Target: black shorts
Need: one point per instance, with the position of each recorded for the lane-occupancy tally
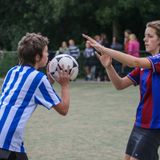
(143, 143)
(10, 155)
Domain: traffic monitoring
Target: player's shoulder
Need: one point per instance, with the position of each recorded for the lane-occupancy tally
(39, 74)
(33, 74)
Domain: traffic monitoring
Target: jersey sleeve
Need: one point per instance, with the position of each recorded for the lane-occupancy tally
(46, 95)
(155, 62)
(135, 76)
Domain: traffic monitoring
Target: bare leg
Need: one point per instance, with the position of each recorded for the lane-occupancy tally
(132, 158)
(127, 157)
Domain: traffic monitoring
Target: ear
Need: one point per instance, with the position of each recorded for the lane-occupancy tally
(37, 58)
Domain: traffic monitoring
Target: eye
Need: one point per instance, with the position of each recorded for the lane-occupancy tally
(150, 36)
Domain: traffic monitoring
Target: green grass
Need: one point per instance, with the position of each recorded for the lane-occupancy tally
(97, 126)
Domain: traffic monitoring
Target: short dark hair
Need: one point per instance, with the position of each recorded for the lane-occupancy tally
(29, 46)
(128, 31)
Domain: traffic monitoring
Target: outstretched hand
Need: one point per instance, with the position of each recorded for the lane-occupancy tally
(94, 43)
(105, 60)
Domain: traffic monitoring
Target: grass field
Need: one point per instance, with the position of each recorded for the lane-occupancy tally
(97, 126)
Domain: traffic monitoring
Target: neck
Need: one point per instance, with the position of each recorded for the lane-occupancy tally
(154, 53)
(36, 66)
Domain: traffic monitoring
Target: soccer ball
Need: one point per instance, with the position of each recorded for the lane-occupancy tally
(65, 60)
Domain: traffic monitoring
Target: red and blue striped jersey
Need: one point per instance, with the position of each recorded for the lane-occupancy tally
(148, 111)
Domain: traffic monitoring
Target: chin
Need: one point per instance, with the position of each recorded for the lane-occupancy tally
(148, 50)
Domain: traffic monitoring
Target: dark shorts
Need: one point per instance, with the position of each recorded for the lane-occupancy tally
(143, 144)
(9, 155)
(90, 62)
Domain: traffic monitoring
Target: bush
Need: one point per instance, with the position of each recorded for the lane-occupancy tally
(8, 59)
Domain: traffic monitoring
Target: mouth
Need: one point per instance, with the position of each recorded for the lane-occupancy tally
(146, 45)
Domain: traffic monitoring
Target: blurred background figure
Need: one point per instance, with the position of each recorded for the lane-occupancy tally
(98, 38)
(133, 45)
(119, 47)
(104, 40)
(63, 49)
(89, 62)
(116, 44)
(73, 49)
(100, 73)
(98, 64)
(127, 32)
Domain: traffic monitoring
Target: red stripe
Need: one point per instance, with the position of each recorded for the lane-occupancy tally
(147, 107)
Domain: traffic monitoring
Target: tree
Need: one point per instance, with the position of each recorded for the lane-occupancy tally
(63, 19)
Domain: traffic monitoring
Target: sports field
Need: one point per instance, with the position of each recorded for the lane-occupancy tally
(97, 126)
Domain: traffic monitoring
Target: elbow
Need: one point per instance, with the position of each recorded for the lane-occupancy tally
(64, 110)
(118, 88)
(120, 85)
(64, 113)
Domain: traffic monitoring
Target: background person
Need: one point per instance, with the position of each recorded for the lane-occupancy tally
(74, 51)
(127, 32)
(100, 74)
(133, 45)
(116, 45)
(144, 140)
(63, 49)
(89, 62)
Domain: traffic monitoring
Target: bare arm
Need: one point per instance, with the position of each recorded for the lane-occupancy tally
(118, 82)
(129, 60)
(63, 107)
(63, 79)
(120, 56)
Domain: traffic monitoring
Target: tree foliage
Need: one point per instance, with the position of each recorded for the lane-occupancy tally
(63, 19)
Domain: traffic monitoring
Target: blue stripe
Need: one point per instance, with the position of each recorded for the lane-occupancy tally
(13, 99)
(22, 148)
(143, 87)
(8, 78)
(37, 101)
(156, 102)
(21, 109)
(57, 95)
(12, 84)
(8, 107)
(45, 94)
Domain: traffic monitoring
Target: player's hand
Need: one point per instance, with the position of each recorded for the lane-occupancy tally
(94, 43)
(50, 78)
(105, 60)
(63, 76)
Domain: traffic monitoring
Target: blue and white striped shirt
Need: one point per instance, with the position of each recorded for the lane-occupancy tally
(74, 51)
(23, 89)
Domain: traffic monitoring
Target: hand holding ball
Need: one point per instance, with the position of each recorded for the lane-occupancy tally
(64, 61)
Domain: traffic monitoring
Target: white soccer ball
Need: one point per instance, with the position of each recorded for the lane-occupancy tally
(65, 60)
